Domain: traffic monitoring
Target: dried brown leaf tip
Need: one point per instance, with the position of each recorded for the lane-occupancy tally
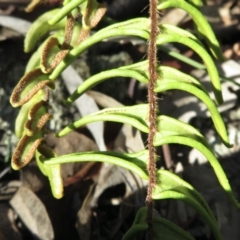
(28, 86)
(37, 118)
(91, 17)
(25, 150)
(93, 14)
(52, 55)
(68, 32)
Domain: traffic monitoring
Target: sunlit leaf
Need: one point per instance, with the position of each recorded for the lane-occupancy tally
(53, 171)
(203, 26)
(24, 111)
(174, 131)
(25, 150)
(40, 28)
(166, 37)
(170, 84)
(135, 116)
(29, 85)
(102, 76)
(135, 162)
(65, 10)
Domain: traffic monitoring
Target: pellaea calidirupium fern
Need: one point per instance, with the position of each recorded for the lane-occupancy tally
(72, 26)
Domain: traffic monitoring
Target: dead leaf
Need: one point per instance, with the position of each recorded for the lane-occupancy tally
(32, 213)
(72, 143)
(8, 230)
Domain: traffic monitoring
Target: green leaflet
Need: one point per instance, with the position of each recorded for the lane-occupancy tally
(67, 8)
(52, 54)
(34, 61)
(25, 150)
(136, 71)
(38, 116)
(102, 76)
(203, 26)
(140, 67)
(135, 116)
(56, 181)
(137, 23)
(175, 131)
(24, 111)
(165, 37)
(29, 85)
(168, 180)
(74, 53)
(169, 84)
(40, 164)
(92, 12)
(165, 72)
(172, 73)
(172, 186)
(169, 126)
(135, 162)
(53, 172)
(163, 229)
(173, 30)
(191, 62)
(40, 28)
(55, 51)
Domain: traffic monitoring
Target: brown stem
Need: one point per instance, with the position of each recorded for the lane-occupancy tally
(152, 68)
